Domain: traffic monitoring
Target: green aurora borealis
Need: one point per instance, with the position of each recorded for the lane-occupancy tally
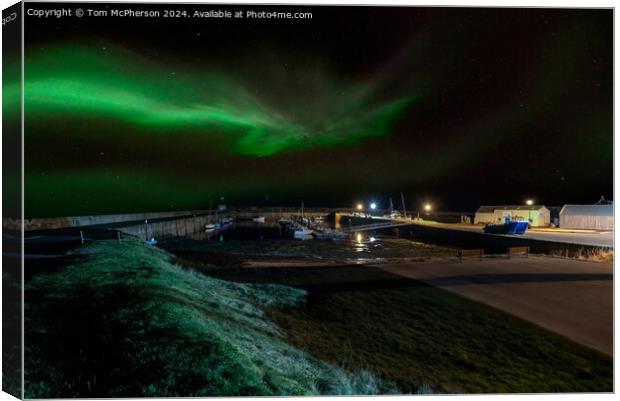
(115, 125)
(145, 98)
(76, 80)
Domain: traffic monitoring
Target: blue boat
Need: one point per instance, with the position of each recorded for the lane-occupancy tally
(511, 227)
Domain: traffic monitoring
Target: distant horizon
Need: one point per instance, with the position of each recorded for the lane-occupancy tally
(380, 208)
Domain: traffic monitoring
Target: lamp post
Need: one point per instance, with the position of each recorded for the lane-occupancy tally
(529, 202)
(427, 208)
(373, 207)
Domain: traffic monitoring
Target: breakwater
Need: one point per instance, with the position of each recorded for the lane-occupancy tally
(126, 219)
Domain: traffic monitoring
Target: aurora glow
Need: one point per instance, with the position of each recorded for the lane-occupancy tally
(80, 82)
(462, 106)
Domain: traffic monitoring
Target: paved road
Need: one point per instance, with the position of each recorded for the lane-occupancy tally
(597, 239)
(584, 237)
(570, 297)
(605, 239)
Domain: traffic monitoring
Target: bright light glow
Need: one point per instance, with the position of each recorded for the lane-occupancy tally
(428, 207)
(373, 206)
(358, 237)
(360, 206)
(529, 202)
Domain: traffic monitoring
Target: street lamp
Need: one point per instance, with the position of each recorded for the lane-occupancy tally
(427, 208)
(529, 202)
(373, 206)
(359, 207)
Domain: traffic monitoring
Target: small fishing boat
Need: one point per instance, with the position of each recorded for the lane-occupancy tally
(511, 227)
(211, 227)
(226, 220)
(286, 223)
(302, 233)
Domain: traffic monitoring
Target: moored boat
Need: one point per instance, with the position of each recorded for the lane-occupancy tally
(302, 233)
(226, 220)
(511, 227)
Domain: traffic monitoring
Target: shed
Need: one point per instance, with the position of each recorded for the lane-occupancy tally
(588, 217)
(485, 215)
(537, 215)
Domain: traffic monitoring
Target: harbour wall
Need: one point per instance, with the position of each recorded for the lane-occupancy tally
(119, 220)
(52, 223)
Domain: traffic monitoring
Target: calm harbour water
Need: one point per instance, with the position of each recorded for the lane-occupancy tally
(249, 239)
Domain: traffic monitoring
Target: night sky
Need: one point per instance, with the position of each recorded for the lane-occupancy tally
(458, 106)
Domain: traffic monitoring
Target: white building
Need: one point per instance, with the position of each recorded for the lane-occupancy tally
(592, 217)
(537, 215)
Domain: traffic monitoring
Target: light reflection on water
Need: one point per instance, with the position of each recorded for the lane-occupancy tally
(255, 239)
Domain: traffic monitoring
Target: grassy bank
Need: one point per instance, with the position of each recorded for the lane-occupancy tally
(125, 321)
(413, 334)
(591, 254)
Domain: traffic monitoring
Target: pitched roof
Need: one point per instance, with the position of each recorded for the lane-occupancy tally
(491, 209)
(587, 210)
(520, 207)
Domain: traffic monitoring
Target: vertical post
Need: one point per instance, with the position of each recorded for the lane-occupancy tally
(146, 230)
(82, 236)
(402, 198)
(118, 235)
(210, 204)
